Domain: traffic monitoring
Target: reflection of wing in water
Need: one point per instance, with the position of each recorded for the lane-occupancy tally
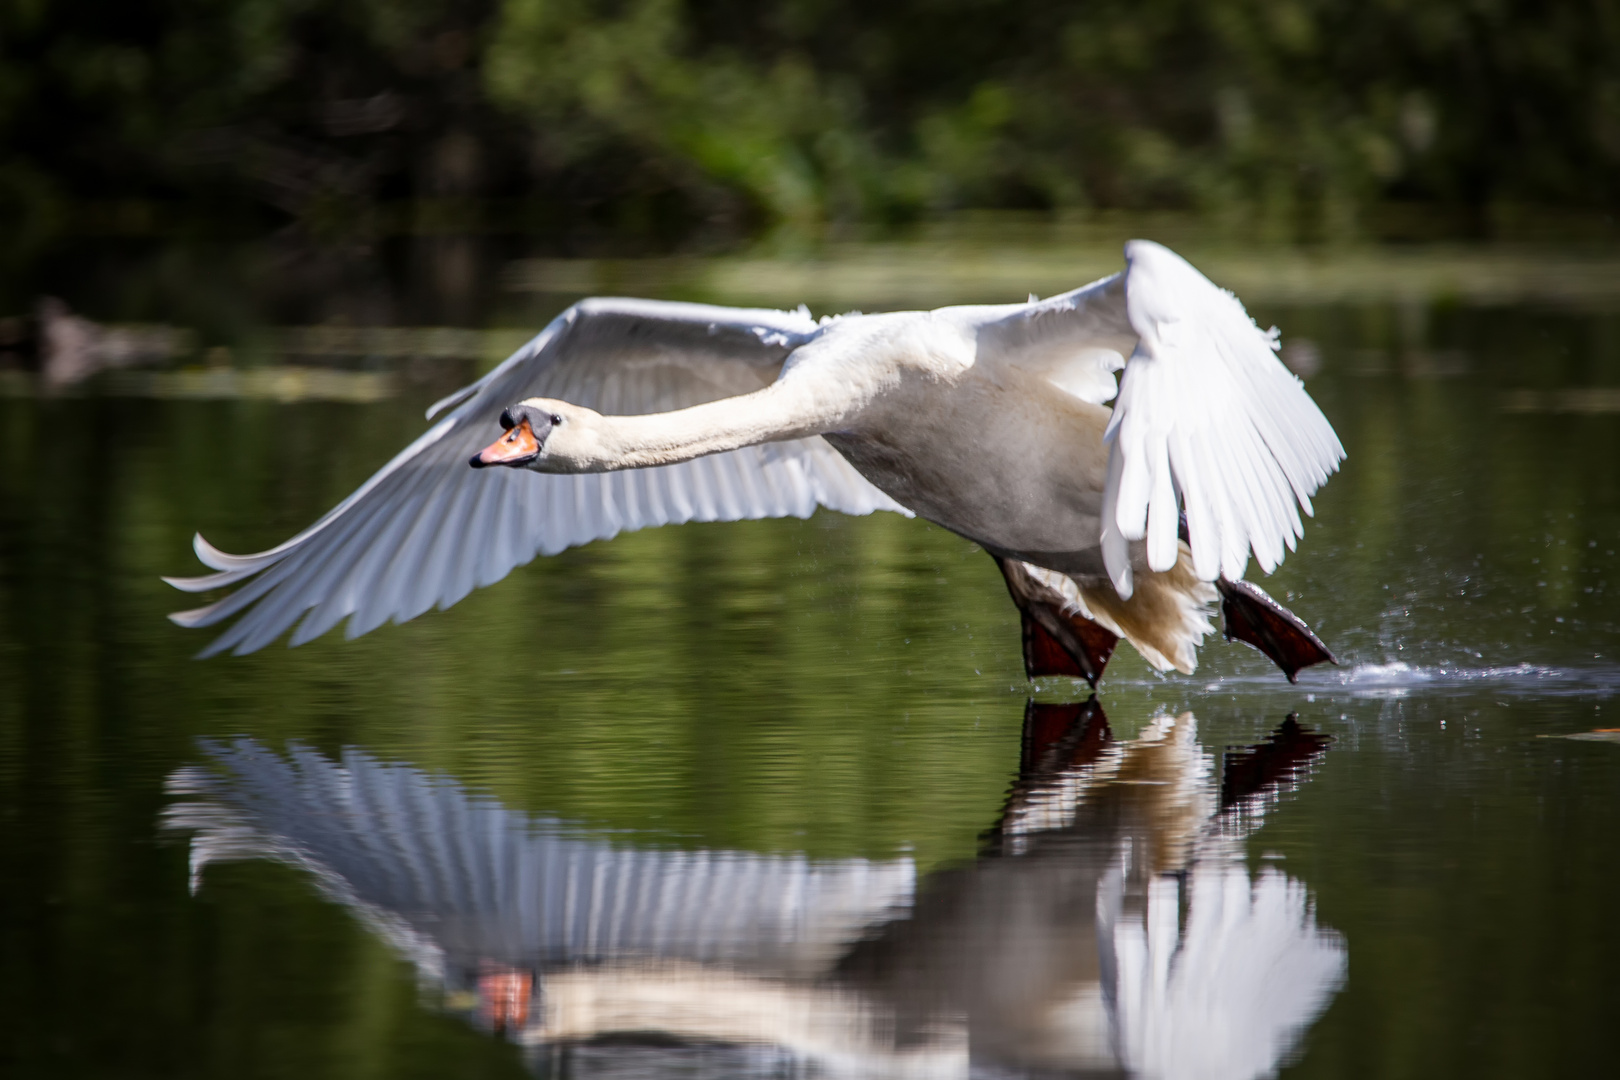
(1110, 923)
(1227, 993)
(484, 883)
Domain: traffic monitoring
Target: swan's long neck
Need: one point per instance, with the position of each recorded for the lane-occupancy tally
(780, 411)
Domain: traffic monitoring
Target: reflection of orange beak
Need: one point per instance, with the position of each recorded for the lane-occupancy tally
(504, 996)
(517, 446)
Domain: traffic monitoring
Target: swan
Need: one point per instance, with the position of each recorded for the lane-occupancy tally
(994, 422)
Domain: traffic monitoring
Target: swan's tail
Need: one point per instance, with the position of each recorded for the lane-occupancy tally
(1167, 616)
(1071, 628)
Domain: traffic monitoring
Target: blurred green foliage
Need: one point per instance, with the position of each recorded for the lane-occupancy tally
(661, 123)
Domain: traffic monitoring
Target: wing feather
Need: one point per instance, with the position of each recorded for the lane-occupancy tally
(366, 585)
(1206, 420)
(1205, 401)
(444, 566)
(340, 578)
(426, 530)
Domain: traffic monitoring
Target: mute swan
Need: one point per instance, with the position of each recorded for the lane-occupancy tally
(991, 421)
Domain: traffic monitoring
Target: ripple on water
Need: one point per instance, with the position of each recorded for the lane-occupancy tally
(1398, 678)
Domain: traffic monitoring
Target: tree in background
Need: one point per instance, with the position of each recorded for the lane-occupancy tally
(636, 124)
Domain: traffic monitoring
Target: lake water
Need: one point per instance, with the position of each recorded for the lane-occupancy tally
(774, 798)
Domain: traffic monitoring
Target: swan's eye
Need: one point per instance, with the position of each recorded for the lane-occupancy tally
(507, 423)
(555, 419)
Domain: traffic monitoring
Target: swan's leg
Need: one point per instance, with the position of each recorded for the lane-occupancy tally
(1253, 617)
(1058, 640)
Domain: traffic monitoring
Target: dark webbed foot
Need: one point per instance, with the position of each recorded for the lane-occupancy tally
(1056, 642)
(1255, 618)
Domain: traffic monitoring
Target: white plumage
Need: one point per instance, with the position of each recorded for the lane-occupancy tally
(426, 530)
(991, 421)
(1206, 410)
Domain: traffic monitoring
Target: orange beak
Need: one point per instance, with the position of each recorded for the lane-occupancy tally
(516, 447)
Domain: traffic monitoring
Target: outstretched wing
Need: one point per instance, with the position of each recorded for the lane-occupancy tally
(426, 530)
(1207, 421)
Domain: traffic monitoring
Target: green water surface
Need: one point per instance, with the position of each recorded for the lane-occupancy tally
(839, 687)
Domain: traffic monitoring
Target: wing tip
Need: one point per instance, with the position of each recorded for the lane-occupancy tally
(455, 397)
(186, 584)
(211, 556)
(191, 618)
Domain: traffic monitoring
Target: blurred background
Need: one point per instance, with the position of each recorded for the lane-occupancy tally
(653, 125)
(310, 160)
(245, 243)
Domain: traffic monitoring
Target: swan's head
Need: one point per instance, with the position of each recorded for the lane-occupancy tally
(541, 434)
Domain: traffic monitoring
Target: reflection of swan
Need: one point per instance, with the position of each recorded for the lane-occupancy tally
(715, 945)
(1112, 921)
(493, 883)
(991, 421)
(1109, 924)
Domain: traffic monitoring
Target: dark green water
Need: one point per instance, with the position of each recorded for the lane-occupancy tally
(805, 747)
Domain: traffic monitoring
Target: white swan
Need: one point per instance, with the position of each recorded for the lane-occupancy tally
(991, 421)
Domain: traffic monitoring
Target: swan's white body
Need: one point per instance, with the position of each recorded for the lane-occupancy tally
(991, 421)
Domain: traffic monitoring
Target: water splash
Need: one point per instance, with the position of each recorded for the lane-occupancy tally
(1398, 679)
